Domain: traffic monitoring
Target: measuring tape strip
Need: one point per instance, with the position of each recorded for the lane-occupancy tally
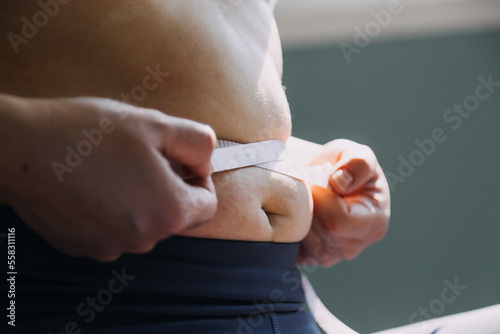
(230, 155)
(271, 155)
(325, 319)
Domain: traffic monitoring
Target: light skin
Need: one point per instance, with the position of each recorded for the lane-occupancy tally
(115, 205)
(219, 68)
(353, 212)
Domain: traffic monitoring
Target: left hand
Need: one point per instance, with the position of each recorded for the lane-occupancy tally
(354, 212)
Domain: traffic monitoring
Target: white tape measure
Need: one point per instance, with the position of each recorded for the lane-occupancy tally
(271, 155)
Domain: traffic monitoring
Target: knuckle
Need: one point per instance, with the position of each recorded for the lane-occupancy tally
(206, 138)
(334, 222)
(366, 149)
(169, 223)
(341, 142)
(175, 223)
(369, 155)
(212, 209)
(157, 226)
(139, 238)
(194, 213)
(142, 247)
(165, 123)
(351, 254)
(136, 222)
(379, 236)
(160, 124)
(380, 233)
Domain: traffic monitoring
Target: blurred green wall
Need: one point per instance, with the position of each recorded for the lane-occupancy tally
(445, 222)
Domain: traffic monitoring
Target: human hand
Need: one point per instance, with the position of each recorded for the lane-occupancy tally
(354, 212)
(117, 192)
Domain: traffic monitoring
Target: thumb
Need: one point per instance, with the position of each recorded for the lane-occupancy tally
(350, 175)
(200, 204)
(189, 143)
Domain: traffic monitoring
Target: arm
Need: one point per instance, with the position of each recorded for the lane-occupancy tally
(7, 144)
(92, 176)
(354, 212)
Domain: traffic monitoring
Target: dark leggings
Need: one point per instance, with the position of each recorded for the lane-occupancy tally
(185, 285)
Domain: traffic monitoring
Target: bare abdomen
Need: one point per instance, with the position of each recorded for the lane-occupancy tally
(223, 69)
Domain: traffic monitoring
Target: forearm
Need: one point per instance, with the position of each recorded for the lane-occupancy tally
(11, 113)
(302, 151)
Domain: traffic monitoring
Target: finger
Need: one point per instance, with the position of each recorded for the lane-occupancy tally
(188, 143)
(353, 173)
(355, 217)
(197, 202)
(349, 249)
(336, 248)
(170, 200)
(332, 211)
(320, 247)
(314, 251)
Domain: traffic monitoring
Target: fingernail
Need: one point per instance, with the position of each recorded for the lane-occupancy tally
(343, 178)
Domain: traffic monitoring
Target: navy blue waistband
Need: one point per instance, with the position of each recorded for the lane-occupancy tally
(182, 278)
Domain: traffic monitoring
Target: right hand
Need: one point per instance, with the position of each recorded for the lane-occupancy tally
(121, 197)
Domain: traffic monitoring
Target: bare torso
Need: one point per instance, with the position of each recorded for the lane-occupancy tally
(223, 60)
